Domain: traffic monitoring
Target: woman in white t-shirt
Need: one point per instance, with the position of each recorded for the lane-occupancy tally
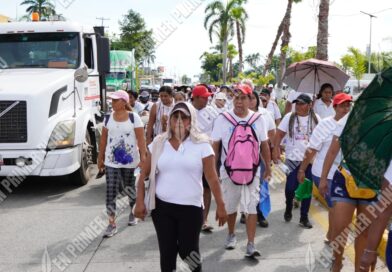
(299, 127)
(323, 105)
(377, 229)
(318, 146)
(159, 113)
(344, 205)
(175, 165)
(122, 149)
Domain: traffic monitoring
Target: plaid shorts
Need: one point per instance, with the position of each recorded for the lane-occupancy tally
(119, 181)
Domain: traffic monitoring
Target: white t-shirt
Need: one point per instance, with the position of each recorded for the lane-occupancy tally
(205, 119)
(139, 107)
(341, 124)
(321, 141)
(121, 148)
(223, 129)
(179, 178)
(388, 173)
(297, 145)
(322, 109)
(294, 95)
(161, 110)
(274, 109)
(269, 121)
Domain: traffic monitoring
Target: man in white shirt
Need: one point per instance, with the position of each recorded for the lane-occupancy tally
(206, 116)
(245, 196)
(137, 107)
(271, 106)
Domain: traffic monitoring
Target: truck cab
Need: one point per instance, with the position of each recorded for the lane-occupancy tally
(52, 86)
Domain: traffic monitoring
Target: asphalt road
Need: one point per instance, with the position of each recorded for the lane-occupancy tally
(50, 225)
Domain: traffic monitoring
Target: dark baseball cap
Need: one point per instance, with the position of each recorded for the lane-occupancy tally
(303, 98)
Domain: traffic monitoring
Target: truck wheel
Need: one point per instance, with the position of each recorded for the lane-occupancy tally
(81, 176)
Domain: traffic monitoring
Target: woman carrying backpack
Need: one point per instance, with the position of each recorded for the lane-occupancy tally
(298, 126)
(157, 122)
(175, 164)
(122, 149)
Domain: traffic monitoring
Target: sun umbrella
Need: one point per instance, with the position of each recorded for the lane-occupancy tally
(366, 140)
(309, 75)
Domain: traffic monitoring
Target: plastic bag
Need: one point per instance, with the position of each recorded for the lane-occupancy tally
(304, 190)
(265, 200)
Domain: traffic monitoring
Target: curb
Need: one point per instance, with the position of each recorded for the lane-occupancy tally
(383, 242)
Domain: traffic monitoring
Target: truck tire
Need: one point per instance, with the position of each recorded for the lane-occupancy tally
(81, 176)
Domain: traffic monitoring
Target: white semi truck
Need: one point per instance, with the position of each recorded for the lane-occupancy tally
(52, 98)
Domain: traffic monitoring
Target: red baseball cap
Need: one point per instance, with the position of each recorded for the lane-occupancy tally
(341, 98)
(201, 91)
(244, 88)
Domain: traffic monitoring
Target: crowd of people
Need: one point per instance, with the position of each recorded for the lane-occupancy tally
(192, 143)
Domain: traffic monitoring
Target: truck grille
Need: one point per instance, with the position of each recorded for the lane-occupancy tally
(13, 122)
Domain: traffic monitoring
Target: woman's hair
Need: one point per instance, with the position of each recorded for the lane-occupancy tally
(166, 89)
(257, 100)
(322, 89)
(181, 93)
(133, 93)
(312, 123)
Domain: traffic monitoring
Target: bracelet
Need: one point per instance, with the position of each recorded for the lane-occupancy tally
(370, 251)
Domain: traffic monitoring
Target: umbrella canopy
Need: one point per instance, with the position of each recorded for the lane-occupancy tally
(366, 140)
(309, 75)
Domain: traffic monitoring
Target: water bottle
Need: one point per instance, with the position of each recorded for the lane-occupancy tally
(284, 168)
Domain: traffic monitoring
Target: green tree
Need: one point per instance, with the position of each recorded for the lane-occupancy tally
(219, 22)
(253, 60)
(135, 36)
(45, 8)
(211, 66)
(231, 54)
(380, 61)
(354, 61)
(296, 56)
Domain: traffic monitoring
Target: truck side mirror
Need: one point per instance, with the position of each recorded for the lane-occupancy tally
(103, 56)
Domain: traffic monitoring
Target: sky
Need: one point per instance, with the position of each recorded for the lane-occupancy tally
(180, 51)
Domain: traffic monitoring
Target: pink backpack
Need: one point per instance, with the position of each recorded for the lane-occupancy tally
(243, 152)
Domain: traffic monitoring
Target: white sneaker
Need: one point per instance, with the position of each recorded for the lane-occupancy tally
(132, 221)
(231, 241)
(251, 251)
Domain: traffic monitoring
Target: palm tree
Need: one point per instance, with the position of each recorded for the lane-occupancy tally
(43, 7)
(322, 35)
(285, 40)
(253, 60)
(240, 16)
(219, 22)
(286, 19)
(355, 61)
(231, 54)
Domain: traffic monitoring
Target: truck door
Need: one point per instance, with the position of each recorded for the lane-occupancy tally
(91, 88)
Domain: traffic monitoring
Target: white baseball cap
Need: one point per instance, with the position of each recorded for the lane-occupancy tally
(220, 95)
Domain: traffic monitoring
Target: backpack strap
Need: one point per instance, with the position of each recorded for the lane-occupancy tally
(254, 118)
(230, 118)
(131, 117)
(107, 117)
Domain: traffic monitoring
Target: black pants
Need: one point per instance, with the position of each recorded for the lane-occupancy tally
(178, 229)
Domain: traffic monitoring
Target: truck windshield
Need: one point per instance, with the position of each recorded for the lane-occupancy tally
(40, 50)
(116, 75)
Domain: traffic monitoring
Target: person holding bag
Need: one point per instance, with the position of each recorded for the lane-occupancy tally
(175, 164)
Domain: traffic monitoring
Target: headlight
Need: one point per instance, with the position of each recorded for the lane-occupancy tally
(63, 135)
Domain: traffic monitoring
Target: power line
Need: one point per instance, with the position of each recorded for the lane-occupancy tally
(102, 19)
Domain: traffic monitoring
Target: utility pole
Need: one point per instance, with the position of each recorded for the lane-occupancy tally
(371, 16)
(102, 19)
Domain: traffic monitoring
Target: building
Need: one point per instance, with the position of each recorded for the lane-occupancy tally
(4, 19)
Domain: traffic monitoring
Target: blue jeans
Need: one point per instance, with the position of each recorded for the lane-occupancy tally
(292, 185)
